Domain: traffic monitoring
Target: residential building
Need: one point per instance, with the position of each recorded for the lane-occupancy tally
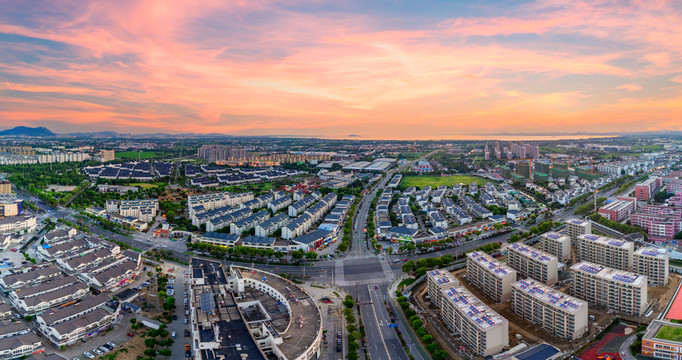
(533, 263)
(297, 227)
(5, 187)
(272, 224)
(438, 280)
(483, 330)
(32, 277)
(652, 263)
(70, 324)
(606, 251)
(279, 203)
(489, 275)
(249, 222)
(556, 244)
(577, 227)
(17, 347)
(299, 206)
(557, 313)
(143, 210)
(13, 224)
(608, 288)
(206, 202)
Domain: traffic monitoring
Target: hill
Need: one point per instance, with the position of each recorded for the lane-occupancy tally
(27, 131)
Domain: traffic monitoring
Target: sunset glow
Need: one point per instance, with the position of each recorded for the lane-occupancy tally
(400, 70)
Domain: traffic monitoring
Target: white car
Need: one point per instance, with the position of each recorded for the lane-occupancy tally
(185, 300)
(97, 351)
(89, 355)
(111, 344)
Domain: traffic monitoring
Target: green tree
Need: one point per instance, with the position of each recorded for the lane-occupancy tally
(165, 352)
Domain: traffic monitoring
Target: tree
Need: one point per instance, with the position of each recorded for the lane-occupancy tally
(133, 320)
(348, 302)
(165, 352)
(311, 255)
(150, 342)
(408, 267)
(150, 352)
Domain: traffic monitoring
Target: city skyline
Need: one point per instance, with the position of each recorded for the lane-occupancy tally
(352, 70)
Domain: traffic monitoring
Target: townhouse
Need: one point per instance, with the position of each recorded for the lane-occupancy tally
(297, 227)
(272, 224)
(249, 222)
(32, 277)
(299, 206)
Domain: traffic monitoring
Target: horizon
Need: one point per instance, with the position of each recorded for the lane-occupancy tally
(352, 70)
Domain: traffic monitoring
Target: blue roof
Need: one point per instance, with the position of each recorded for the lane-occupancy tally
(403, 230)
(258, 240)
(312, 237)
(221, 236)
(539, 352)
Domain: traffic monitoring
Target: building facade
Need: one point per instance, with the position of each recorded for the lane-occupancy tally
(533, 263)
(605, 251)
(608, 288)
(557, 245)
(489, 275)
(652, 263)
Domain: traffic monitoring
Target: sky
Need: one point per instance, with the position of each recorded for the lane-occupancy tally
(361, 69)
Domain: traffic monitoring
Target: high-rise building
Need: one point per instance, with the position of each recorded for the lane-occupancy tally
(653, 263)
(489, 275)
(557, 313)
(483, 330)
(577, 227)
(606, 251)
(108, 155)
(437, 281)
(5, 187)
(530, 262)
(557, 245)
(612, 289)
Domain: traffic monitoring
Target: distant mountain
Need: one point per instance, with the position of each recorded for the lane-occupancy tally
(27, 131)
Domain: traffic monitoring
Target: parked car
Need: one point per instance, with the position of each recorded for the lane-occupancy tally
(188, 354)
(173, 334)
(338, 349)
(104, 349)
(186, 321)
(97, 351)
(111, 344)
(89, 355)
(130, 334)
(107, 346)
(186, 346)
(175, 317)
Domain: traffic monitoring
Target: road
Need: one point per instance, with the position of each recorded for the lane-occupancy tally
(624, 350)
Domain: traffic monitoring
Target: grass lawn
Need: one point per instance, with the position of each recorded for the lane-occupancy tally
(410, 155)
(435, 181)
(667, 332)
(133, 155)
(145, 185)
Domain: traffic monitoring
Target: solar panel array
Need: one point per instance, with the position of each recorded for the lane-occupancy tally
(590, 269)
(650, 252)
(616, 243)
(553, 235)
(207, 303)
(591, 237)
(624, 278)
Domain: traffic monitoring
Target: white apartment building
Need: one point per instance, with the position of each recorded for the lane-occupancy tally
(297, 227)
(577, 227)
(489, 275)
(606, 251)
(652, 263)
(557, 245)
(271, 225)
(483, 330)
(612, 289)
(437, 281)
(143, 210)
(205, 202)
(533, 263)
(12, 224)
(557, 313)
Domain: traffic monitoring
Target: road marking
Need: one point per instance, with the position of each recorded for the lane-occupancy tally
(376, 320)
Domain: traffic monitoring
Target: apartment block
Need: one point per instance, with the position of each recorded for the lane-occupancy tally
(143, 210)
(577, 227)
(612, 289)
(483, 330)
(489, 275)
(271, 225)
(5, 187)
(437, 281)
(619, 210)
(557, 245)
(646, 189)
(605, 251)
(533, 263)
(204, 202)
(557, 313)
(652, 263)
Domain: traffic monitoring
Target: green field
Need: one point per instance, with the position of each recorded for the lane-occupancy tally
(410, 155)
(667, 332)
(133, 155)
(434, 181)
(146, 185)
